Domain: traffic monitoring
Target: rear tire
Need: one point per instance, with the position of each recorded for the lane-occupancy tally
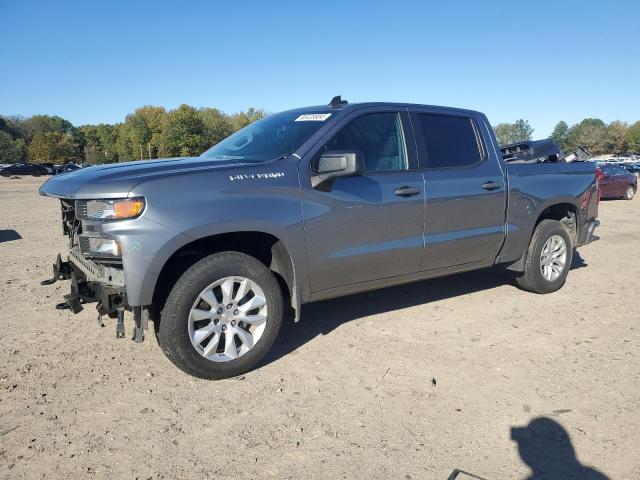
(629, 193)
(176, 331)
(542, 273)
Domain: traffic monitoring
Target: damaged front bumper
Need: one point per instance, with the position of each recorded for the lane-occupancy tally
(91, 282)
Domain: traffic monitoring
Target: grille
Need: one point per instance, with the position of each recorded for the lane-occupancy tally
(68, 217)
(81, 209)
(84, 245)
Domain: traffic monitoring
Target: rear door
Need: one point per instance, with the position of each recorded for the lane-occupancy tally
(464, 187)
(607, 182)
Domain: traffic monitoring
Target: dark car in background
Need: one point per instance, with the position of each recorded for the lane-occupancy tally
(24, 169)
(67, 167)
(616, 182)
(632, 168)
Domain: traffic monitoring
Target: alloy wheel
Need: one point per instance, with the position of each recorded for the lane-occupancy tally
(228, 319)
(553, 258)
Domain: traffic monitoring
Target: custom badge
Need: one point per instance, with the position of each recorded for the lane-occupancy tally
(250, 176)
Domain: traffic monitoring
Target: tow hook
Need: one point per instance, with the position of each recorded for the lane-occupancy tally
(120, 323)
(71, 302)
(61, 271)
(141, 321)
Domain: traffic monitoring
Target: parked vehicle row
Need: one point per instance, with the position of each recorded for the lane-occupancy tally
(36, 169)
(630, 164)
(631, 168)
(24, 169)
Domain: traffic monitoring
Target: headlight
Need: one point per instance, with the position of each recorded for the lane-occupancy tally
(99, 247)
(110, 209)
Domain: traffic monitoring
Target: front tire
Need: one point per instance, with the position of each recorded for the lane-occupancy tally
(222, 316)
(548, 258)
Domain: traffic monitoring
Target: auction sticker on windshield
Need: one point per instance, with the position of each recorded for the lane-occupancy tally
(313, 117)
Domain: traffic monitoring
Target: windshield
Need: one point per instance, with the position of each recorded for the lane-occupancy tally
(273, 137)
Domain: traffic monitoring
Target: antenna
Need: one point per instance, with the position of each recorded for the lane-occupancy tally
(337, 101)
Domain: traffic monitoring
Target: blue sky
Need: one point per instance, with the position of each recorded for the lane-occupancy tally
(96, 61)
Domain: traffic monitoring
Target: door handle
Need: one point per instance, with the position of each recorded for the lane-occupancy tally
(406, 191)
(491, 185)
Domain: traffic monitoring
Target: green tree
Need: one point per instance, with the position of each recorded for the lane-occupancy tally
(217, 125)
(183, 132)
(522, 130)
(147, 132)
(632, 138)
(45, 123)
(513, 132)
(11, 151)
(144, 128)
(242, 119)
(54, 147)
(124, 147)
(561, 135)
(15, 126)
(69, 148)
(43, 147)
(504, 133)
(616, 137)
(590, 134)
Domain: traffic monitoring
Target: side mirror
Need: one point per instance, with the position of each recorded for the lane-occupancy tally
(605, 175)
(334, 164)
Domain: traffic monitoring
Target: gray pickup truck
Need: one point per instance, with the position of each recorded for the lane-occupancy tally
(306, 205)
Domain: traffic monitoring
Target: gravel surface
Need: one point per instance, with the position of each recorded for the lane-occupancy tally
(408, 382)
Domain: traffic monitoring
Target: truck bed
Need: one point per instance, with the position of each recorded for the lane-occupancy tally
(533, 187)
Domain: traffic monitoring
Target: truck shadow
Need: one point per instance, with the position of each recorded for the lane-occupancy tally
(320, 318)
(9, 236)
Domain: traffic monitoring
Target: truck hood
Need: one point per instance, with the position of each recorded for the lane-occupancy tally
(115, 180)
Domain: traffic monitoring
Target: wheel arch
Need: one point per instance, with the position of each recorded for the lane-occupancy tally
(266, 247)
(565, 212)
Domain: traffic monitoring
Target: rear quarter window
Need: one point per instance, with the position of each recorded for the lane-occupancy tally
(450, 141)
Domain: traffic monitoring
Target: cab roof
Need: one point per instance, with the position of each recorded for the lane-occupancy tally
(344, 106)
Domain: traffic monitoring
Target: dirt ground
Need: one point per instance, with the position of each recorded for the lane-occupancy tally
(409, 382)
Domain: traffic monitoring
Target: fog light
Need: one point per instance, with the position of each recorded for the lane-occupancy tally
(99, 247)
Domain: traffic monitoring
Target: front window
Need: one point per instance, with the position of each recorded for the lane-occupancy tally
(379, 137)
(271, 138)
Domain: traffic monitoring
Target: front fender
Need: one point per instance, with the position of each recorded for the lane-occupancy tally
(187, 208)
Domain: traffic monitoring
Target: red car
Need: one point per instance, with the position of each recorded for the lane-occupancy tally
(616, 182)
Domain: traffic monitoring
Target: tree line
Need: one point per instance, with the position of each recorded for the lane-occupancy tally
(592, 134)
(154, 132)
(148, 132)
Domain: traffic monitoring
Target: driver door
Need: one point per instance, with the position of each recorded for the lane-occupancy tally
(367, 227)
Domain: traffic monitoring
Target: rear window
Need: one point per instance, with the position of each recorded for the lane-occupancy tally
(450, 141)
